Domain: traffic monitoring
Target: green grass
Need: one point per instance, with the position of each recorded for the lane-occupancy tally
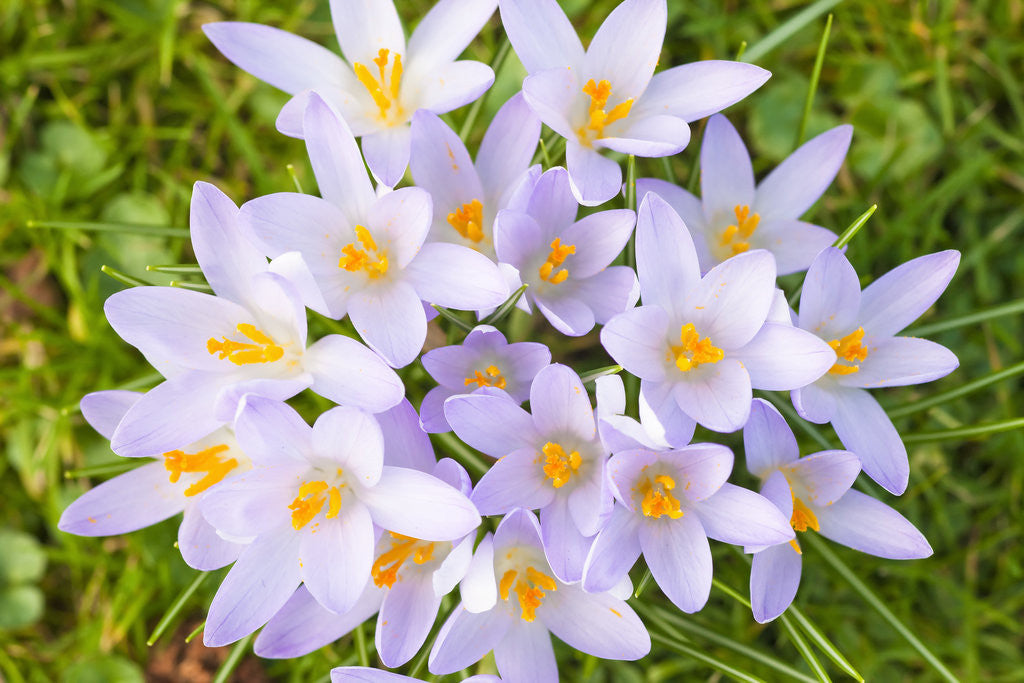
(111, 109)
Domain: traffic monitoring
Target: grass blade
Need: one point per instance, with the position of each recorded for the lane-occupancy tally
(600, 372)
(195, 632)
(175, 608)
(645, 581)
(787, 29)
(177, 269)
(474, 110)
(503, 310)
(822, 642)
(958, 392)
(713, 662)
(804, 649)
(1011, 308)
(116, 467)
(194, 286)
(94, 226)
(295, 177)
(819, 60)
(854, 228)
(124, 278)
(452, 318)
(233, 660)
(972, 432)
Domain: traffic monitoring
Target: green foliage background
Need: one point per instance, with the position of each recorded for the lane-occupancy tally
(111, 109)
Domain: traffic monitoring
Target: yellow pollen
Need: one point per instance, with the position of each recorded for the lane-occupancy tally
(529, 590)
(207, 460)
(310, 501)
(850, 349)
(692, 351)
(597, 117)
(468, 219)
(559, 466)
(559, 253)
(491, 377)
(386, 566)
(384, 87)
(658, 499)
(802, 519)
(737, 235)
(354, 259)
(263, 348)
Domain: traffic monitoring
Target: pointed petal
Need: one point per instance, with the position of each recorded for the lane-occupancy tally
(830, 298)
(432, 417)
(864, 428)
(614, 552)
(525, 654)
(366, 26)
(679, 557)
(335, 559)
(507, 148)
(416, 504)
(726, 176)
(560, 404)
(741, 517)
(515, 481)
(387, 153)
(718, 397)
(793, 243)
(781, 357)
(391, 321)
(401, 220)
(347, 372)
(666, 260)
(567, 314)
(768, 441)
(732, 301)
(899, 361)
(408, 612)
(625, 48)
(127, 502)
(598, 239)
(405, 443)
(594, 179)
(796, 183)
(598, 624)
(551, 204)
(272, 432)
(352, 439)
(564, 546)
(103, 410)
(447, 29)
(337, 163)
(825, 476)
(456, 277)
(860, 522)
(491, 424)
(552, 94)
(899, 297)
(453, 568)
(541, 34)
(465, 638)
(303, 625)
(636, 340)
(774, 579)
(693, 91)
(441, 165)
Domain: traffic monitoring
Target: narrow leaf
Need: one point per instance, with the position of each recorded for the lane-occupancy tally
(175, 608)
(1011, 308)
(95, 226)
(124, 278)
(819, 60)
(452, 318)
(785, 30)
(504, 309)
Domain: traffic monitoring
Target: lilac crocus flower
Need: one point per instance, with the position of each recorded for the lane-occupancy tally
(609, 96)
(381, 82)
(467, 195)
(733, 216)
(511, 602)
(860, 327)
(700, 344)
(484, 359)
(815, 493)
(249, 338)
(174, 483)
(363, 674)
(667, 505)
(311, 504)
(565, 261)
(367, 254)
(552, 460)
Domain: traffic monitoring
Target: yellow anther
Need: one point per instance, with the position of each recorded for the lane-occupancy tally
(207, 461)
(262, 348)
(658, 499)
(529, 590)
(850, 349)
(384, 87)
(468, 219)
(559, 252)
(490, 377)
(597, 117)
(386, 567)
(737, 235)
(313, 495)
(505, 585)
(693, 351)
(354, 259)
(558, 465)
(803, 517)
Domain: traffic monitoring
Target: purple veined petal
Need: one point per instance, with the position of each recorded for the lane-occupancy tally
(594, 179)
(103, 410)
(741, 517)
(292, 267)
(416, 504)
(816, 402)
(598, 239)
(679, 557)
(651, 136)
(524, 360)
(432, 418)
(519, 527)
(780, 312)
(693, 91)
(567, 314)
(465, 638)
(564, 546)
(289, 119)
(271, 432)
(254, 503)
(441, 165)
(200, 545)
(362, 674)
(830, 298)
(337, 163)
(774, 580)
(408, 612)
(517, 238)
(453, 568)
(666, 260)
(860, 522)
(304, 625)
(525, 654)
(689, 207)
(636, 340)
(491, 424)
(347, 372)
(662, 417)
(478, 588)
(280, 311)
(226, 406)
(899, 297)
(405, 443)
(899, 361)
(597, 624)
(282, 59)
(726, 178)
(390, 320)
(269, 564)
(703, 469)
(270, 222)
(560, 403)
(335, 557)
(541, 34)
(793, 243)
(624, 469)
(401, 220)
(864, 428)
(732, 301)
(717, 396)
(768, 442)
(455, 276)
(608, 293)
(777, 489)
(450, 365)
(590, 503)
(352, 439)
(366, 26)
(507, 148)
(625, 48)
(551, 204)
(516, 480)
(782, 357)
(444, 88)
(350, 102)
(452, 473)
(387, 153)
(130, 501)
(553, 94)
(447, 29)
(614, 552)
(825, 476)
(796, 183)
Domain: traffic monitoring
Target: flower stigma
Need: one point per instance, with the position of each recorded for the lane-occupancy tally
(850, 349)
(693, 351)
(559, 253)
(490, 377)
(529, 589)
(354, 259)
(263, 348)
(658, 499)
(208, 461)
(310, 501)
(559, 466)
(803, 517)
(386, 566)
(385, 87)
(467, 219)
(597, 117)
(738, 234)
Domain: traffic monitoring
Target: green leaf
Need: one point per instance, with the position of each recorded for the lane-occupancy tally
(505, 308)
(22, 558)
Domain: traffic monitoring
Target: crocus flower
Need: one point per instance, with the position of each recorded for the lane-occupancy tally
(699, 344)
(467, 195)
(733, 216)
(249, 338)
(606, 96)
(363, 674)
(667, 505)
(815, 493)
(310, 504)
(511, 601)
(551, 460)
(565, 261)
(367, 254)
(151, 493)
(381, 82)
(860, 327)
(484, 359)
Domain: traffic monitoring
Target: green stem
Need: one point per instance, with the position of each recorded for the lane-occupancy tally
(233, 660)
(124, 278)
(94, 226)
(707, 659)
(805, 650)
(819, 61)
(971, 432)
(593, 375)
(175, 608)
(1011, 308)
(452, 318)
(505, 308)
(645, 581)
(958, 392)
(117, 467)
(785, 30)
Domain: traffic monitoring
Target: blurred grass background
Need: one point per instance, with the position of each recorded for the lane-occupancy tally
(111, 109)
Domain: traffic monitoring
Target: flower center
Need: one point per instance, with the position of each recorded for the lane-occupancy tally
(658, 499)
(559, 253)
(529, 589)
(310, 501)
(597, 117)
(491, 377)
(386, 566)
(558, 465)
(803, 517)
(692, 351)
(737, 235)
(354, 259)
(467, 220)
(850, 349)
(263, 348)
(385, 86)
(208, 461)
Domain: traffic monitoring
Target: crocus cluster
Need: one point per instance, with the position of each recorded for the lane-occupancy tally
(330, 523)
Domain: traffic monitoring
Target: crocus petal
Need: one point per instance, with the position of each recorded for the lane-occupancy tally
(768, 442)
(353, 439)
(347, 372)
(774, 579)
(560, 403)
(335, 558)
(401, 220)
(899, 297)
(337, 163)
(625, 48)
(651, 136)
(666, 260)
(860, 522)
(405, 443)
(636, 340)
(391, 321)
(525, 654)
(516, 480)
(416, 504)
(793, 243)
(408, 612)
(441, 165)
(387, 153)
(662, 417)
(741, 517)
(703, 468)
(362, 674)
(541, 34)
(517, 237)
(457, 277)
(608, 293)
(899, 361)
(689, 207)
(598, 238)
(432, 418)
(726, 176)
(564, 546)
(491, 424)
(478, 589)
(781, 357)
(613, 553)
(454, 567)
(254, 503)
(200, 545)
(594, 179)
(447, 29)
(508, 147)
(679, 557)
(293, 268)
(693, 91)
(826, 476)
(272, 432)
(597, 624)
(270, 221)
(795, 184)
(103, 410)
(732, 301)
(864, 428)
(717, 397)
(465, 638)
(815, 402)
(551, 94)
(551, 204)
(443, 88)
(304, 625)
(366, 26)
(830, 298)
(567, 314)
(127, 502)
